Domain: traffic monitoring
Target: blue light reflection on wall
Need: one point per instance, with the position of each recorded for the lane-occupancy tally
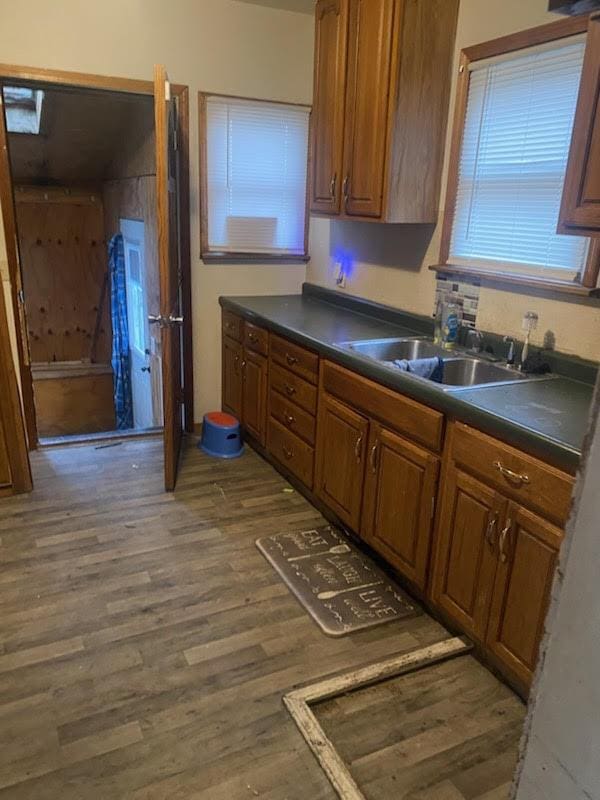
(346, 259)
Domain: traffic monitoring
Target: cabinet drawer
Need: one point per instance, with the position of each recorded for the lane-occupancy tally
(294, 388)
(232, 325)
(516, 474)
(256, 338)
(293, 417)
(296, 358)
(292, 452)
(416, 421)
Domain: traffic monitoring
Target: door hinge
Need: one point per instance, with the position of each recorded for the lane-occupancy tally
(21, 296)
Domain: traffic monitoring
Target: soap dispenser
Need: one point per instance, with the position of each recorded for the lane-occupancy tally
(450, 321)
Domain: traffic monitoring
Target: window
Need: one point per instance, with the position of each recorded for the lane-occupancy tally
(505, 191)
(23, 108)
(254, 187)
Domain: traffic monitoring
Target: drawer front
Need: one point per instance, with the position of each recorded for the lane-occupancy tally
(232, 325)
(516, 474)
(292, 452)
(298, 359)
(256, 338)
(293, 417)
(294, 388)
(414, 420)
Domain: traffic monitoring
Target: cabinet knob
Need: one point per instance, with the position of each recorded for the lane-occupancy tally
(253, 337)
(289, 419)
(287, 452)
(291, 360)
(290, 389)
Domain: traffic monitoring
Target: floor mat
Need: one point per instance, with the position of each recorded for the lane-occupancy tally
(340, 587)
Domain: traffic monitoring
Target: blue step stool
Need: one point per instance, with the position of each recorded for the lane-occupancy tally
(221, 435)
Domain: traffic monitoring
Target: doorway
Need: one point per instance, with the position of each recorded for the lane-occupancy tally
(94, 155)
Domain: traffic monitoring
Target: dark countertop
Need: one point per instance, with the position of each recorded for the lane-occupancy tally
(547, 418)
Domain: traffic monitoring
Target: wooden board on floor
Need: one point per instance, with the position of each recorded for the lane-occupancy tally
(70, 405)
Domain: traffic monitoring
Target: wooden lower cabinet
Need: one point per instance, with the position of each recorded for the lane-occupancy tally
(399, 502)
(232, 377)
(341, 445)
(254, 395)
(527, 553)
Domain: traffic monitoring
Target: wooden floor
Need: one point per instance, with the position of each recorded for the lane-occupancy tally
(145, 644)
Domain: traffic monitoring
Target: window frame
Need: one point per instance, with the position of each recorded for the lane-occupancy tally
(213, 257)
(553, 31)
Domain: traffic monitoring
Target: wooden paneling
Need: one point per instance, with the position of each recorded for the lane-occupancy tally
(341, 446)
(294, 388)
(292, 452)
(527, 561)
(331, 32)
(254, 395)
(295, 358)
(516, 474)
(399, 502)
(415, 420)
(367, 100)
(71, 405)
(232, 377)
(465, 563)
(65, 267)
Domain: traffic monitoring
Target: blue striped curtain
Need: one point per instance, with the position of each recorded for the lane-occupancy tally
(120, 334)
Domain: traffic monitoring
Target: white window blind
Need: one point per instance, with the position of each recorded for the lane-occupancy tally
(515, 145)
(256, 176)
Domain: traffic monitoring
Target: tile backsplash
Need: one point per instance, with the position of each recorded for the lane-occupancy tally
(466, 294)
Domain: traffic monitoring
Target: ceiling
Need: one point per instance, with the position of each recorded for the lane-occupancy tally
(84, 137)
(302, 6)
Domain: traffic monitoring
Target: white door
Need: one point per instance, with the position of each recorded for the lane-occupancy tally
(137, 322)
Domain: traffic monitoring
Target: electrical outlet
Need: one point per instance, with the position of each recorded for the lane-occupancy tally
(340, 275)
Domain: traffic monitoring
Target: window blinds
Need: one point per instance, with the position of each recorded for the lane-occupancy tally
(256, 176)
(516, 139)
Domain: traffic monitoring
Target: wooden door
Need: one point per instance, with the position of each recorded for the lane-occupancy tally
(399, 502)
(331, 34)
(232, 377)
(254, 403)
(465, 564)
(165, 119)
(367, 99)
(340, 459)
(527, 553)
(580, 208)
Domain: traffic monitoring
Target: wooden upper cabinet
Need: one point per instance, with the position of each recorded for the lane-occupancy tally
(391, 84)
(527, 552)
(367, 101)
(331, 37)
(341, 446)
(399, 502)
(465, 563)
(580, 208)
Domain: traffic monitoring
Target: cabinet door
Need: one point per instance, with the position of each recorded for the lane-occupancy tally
(527, 552)
(465, 563)
(367, 98)
(399, 502)
(341, 445)
(232, 377)
(580, 208)
(254, 414)
(327, 137)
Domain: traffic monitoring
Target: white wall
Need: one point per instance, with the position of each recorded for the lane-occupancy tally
(216, 45)
(391, 262)
(562, 756)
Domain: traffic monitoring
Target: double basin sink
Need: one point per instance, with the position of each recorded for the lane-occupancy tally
(461, 369)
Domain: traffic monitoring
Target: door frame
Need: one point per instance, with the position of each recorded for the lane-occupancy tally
(82, 80)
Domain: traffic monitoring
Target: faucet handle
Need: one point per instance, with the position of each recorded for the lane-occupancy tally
(510, 358)
(475, 340)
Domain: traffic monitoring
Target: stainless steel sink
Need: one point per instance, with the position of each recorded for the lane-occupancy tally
(394, 349)
(474, 372)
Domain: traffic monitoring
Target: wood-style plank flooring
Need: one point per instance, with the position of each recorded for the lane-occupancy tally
(145, 644)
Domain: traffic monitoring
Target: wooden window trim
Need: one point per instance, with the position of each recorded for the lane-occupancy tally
(213, 257)
(553, 31)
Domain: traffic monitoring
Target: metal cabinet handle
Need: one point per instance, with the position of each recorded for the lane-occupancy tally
(373, 457)
(244, 370)
(332, 185)
(491, 529)
(253, 337)
(291, 360)
(358, 448)
(502, 542)
(290, 389)
(345, 188)
(287, 452)
(515, 477)
(289, 418)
